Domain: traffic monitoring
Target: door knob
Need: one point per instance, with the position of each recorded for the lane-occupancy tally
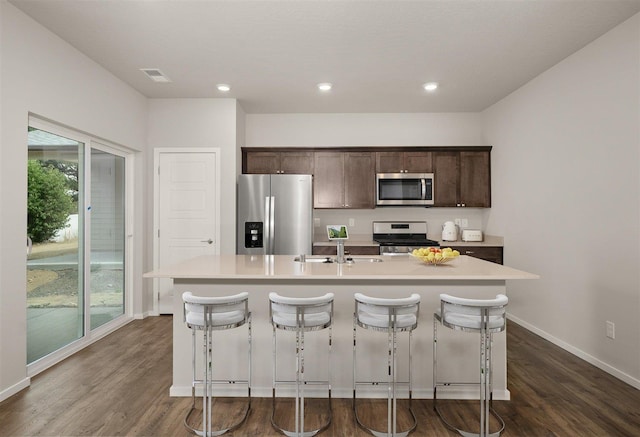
(207, 241)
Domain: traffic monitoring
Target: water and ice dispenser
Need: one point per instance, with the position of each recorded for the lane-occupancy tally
(253, 235)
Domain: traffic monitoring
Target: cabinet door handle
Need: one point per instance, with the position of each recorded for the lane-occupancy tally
(468, 252)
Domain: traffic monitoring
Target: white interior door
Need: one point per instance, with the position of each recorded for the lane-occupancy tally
(187, 214)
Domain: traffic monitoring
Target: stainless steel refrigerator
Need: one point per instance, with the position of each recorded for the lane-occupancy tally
(275, 214)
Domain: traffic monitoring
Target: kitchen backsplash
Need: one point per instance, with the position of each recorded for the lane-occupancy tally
(362, 218)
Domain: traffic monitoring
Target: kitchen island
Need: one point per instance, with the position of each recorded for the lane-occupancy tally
(394, 276)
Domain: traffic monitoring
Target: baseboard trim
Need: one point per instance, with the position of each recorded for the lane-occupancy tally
(140, 316)
(634, 382)
(15, 388)
(364, 393)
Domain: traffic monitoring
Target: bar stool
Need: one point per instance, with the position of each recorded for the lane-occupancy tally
(484, 316)
(300, 315)
(391, 316)
(208, 314)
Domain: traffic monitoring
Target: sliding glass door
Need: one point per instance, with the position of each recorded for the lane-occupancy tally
(107, 237)
(76, 276)
(55, 298)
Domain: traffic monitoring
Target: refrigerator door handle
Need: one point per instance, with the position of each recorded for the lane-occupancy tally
(272, 225)
(266, 238)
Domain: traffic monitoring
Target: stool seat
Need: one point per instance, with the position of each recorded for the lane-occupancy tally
(471, 314)
(310, 320)
(470, 322)
(309, 313)
(381, 314)
(224, 312)
(196, 318)
(381, 321)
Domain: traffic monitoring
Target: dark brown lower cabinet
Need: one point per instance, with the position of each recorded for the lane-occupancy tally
(487, 253)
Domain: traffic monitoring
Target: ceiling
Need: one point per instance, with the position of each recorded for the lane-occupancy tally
(377, 54)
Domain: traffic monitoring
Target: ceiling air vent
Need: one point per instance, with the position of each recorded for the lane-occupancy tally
(155, 75)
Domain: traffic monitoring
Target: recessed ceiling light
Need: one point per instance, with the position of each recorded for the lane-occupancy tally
(430, 86)
(325, 86)
(223, 87)
(155, 75)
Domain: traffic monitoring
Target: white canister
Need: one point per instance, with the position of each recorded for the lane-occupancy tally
(449, 231)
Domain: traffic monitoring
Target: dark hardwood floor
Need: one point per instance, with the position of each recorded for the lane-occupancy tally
(120, 385)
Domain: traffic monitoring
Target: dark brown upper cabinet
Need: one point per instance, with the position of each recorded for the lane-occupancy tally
(271, 162)
(462, 179)
(344, 177)
(344, 180)
(404, 162)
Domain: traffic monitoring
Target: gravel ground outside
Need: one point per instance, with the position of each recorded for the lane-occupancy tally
(58, 287)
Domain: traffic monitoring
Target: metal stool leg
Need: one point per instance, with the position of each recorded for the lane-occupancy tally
(207, 383)
(300, 384)
(391, 383)
(300, 381)
(486, 385)
(392, 400)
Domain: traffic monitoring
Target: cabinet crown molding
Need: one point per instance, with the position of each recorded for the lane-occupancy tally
(480, 148)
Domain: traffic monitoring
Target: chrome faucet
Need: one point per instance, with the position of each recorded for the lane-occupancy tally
(340, 251)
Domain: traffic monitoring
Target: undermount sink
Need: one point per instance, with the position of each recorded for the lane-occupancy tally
(330, 260)
(364, 259)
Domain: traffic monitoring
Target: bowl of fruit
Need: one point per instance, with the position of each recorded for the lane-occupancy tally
(435, 255)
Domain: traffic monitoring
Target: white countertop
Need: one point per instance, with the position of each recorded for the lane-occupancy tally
(277, 267)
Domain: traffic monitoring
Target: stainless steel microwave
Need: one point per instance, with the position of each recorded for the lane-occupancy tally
(404, 189)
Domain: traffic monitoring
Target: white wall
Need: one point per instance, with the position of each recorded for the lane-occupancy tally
(197, 123)
(566, 198)
(320, 130)
(46, 76)
(317, 130)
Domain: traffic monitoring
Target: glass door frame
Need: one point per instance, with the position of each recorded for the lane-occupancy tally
(105, 146)
(89, 336)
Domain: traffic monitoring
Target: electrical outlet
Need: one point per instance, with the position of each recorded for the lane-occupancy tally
(352, 222)
(465, 223)
(611, 330)
(458, 222)
(316, 222)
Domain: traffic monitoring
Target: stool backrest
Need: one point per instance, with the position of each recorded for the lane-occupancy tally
(308, 313)
(474, 314)
(383, 313)
(222, 312)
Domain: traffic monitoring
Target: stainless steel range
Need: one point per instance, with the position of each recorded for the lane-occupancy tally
(400, 238)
